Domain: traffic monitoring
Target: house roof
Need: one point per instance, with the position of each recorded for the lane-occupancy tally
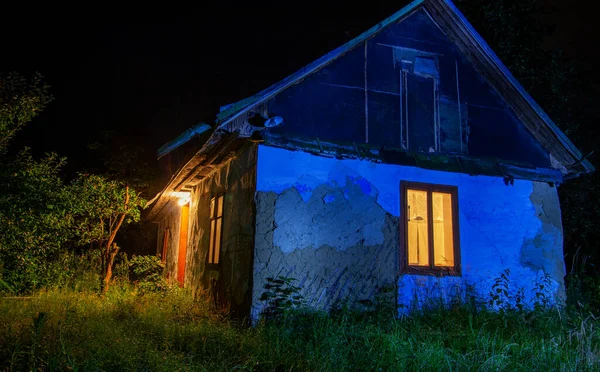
(475, 49)
(445, 14)
(235, 109)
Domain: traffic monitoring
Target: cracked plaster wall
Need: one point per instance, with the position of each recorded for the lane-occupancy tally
(333, 225)
(336, 246)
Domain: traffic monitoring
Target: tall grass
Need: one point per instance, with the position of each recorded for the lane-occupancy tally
(129, 331)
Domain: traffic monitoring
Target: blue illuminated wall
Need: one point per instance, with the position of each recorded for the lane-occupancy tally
(333, 225)
(409, 66)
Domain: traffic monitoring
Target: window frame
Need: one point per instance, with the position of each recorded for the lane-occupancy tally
(215, 217)
(430, 188)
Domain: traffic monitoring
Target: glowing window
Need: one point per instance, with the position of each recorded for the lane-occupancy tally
(430, 236)
(216, 229)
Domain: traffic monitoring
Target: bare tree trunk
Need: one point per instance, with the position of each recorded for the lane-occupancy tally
(112, 248)
(108, 268)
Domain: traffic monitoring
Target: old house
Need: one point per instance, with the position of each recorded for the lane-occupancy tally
(407, 159)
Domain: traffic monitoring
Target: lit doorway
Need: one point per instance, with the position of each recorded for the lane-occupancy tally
(183, 237)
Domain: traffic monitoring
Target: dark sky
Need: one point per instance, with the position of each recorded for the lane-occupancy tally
(152, 75)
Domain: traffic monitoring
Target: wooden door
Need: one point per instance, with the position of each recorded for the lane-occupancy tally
(183, 235)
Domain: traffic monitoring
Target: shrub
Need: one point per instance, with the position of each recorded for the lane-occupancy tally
(148, 273)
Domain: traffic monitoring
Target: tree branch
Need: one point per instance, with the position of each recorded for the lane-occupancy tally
(113, 233)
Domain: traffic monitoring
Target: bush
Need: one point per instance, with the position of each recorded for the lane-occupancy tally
(34, 221)
(148, 273)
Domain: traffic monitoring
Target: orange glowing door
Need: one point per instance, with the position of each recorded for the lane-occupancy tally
(183, 233)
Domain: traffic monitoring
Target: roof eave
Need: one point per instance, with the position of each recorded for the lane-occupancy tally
(213, 148)
(182, 139)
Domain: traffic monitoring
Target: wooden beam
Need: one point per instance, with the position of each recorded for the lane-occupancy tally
(219, 149)
(195, 166)
(443, 162)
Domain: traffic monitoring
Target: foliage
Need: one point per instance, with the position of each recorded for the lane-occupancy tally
(498, 296)
(541, 290)
(64, 330)
(41, 217)
(280, 296)
(148, 272)
(122, 267)
(35, 220)
(121, 156)
(101, 206)
(20, 101)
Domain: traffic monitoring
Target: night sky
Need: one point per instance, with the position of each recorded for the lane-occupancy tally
(151, 80)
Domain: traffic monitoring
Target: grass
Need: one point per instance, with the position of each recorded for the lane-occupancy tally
(129, 331)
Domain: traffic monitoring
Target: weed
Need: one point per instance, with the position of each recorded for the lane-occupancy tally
(280, 296)
(498, 296)
(62, 329)
(541, 291)
(36, 329)
(520, 299)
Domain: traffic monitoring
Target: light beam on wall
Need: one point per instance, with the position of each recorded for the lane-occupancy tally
(183, 197)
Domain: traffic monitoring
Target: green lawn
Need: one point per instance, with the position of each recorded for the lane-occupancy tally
(62, 330)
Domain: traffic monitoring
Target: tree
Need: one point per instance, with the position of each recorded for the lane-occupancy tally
(40, 215)
(20, 101)
(34, 219)
(101, 207)
(121, 156)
